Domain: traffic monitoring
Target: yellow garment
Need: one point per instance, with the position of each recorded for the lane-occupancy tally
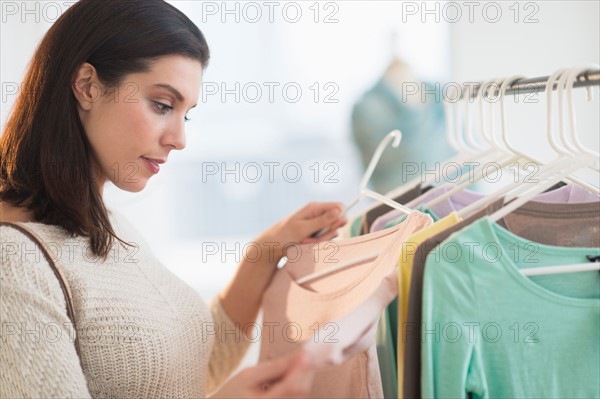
(405, 264)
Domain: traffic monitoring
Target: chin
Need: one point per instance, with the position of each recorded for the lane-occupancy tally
(132, 187)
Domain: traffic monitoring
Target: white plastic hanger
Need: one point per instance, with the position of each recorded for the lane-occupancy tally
(562, 162)
(501, 155)
(469, 135)
(554, 143)
(454, 136)
(452, 125)
(567, 147)
(364, 191)
(569, 82)
(452, 107)
(396, 136)
(562, 145)
(580, 267)
(571, 77)
(585, 159)
(555, 172)
(543, 186)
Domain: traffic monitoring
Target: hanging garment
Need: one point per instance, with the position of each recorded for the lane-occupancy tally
(382, 209)
(570, 193)
(389, 348)
(404, 274)
(362, 223)
(568, 225)
(490, 331)
(461, 199)
(386, 343)
(293, 313)
(452, 204)
(387, 323)
(359, 327)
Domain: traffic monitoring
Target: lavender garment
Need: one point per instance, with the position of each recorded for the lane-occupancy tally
(442, 209)
(567, 194)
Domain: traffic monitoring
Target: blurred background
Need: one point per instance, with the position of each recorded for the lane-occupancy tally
(298, 95)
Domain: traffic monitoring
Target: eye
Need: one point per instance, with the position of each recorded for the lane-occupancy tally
(162, 108)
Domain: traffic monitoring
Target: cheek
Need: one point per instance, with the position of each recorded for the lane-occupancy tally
(122, 132)
(133, 126)
(136, 121)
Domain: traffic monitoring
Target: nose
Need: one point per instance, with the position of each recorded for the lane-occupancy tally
(175, 137)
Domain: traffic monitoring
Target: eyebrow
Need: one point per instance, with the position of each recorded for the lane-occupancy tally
(173, 90)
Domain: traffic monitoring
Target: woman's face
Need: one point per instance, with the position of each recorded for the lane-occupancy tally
(142, 120)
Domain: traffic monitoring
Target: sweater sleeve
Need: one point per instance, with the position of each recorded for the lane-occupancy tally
(37, 354)
(230, 346)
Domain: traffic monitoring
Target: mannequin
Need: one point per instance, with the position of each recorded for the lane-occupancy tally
(398, 75)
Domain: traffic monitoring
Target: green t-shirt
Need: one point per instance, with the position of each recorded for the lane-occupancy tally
(356, 226)
(397, 221)
(493, 332)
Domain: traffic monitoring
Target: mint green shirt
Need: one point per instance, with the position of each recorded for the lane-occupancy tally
(356, 226)
(397, 221)
(493, 332)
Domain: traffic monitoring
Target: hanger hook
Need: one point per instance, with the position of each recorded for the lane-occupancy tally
(564, 139)
(469, 134)
(555, 144)
(503, 88)
(573, 74)
(394, 135)
(451, 120)
(496, 86)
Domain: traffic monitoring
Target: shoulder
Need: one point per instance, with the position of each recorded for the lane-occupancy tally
(37, 331)
(26, 274)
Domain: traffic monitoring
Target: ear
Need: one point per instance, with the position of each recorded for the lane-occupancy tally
(86, 86)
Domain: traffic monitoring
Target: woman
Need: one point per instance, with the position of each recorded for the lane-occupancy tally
(105, 99)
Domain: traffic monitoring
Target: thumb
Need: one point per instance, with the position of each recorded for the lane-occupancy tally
(298, 379)
(272, 370)
(327, 218)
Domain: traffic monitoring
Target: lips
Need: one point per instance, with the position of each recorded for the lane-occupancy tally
(152, 164)
(156, 161)
(151, 160)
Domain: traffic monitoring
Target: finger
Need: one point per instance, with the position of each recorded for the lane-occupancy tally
(315, 209)
(326, 233)
(329, 235)
(328, 218)
(297, 382)
(339, 223)
(318, 226)
(272, 370)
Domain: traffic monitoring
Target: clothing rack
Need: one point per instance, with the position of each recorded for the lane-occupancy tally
(537, 85)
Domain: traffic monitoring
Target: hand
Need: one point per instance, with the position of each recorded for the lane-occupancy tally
(298, 227)
(243, 296)
(289, 376)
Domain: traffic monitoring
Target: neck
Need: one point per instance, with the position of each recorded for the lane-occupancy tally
(14, 214)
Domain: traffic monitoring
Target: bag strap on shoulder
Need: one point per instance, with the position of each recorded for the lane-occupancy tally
(59, 275)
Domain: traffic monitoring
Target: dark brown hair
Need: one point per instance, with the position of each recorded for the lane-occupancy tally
(46, 161)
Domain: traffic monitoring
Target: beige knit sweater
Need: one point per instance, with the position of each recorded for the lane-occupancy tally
(143, 332)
